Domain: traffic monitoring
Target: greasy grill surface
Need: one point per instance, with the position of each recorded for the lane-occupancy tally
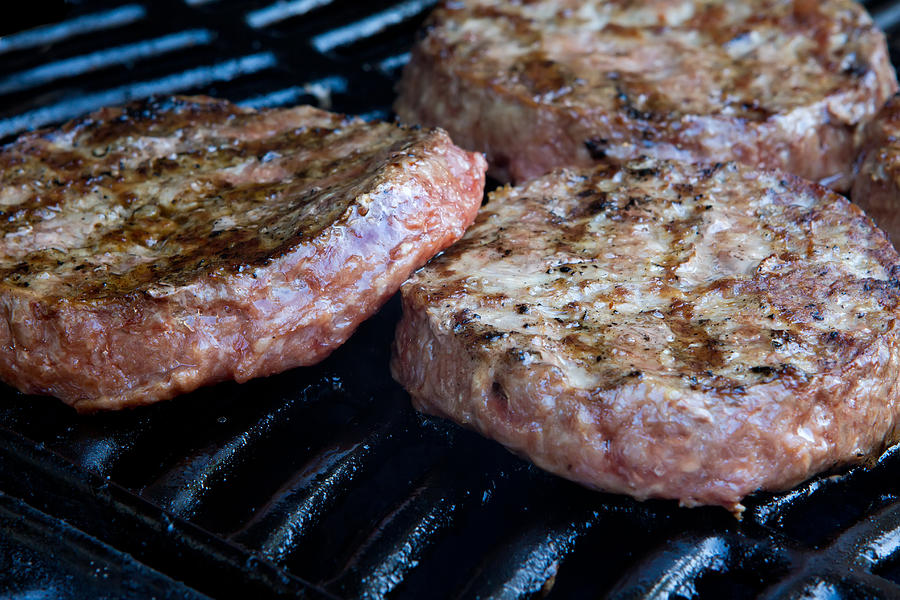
(322, 482)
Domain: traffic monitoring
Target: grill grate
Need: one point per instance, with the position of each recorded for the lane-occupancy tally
(322, 482)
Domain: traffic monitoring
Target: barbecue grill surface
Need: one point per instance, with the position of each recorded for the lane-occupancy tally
(322, 482)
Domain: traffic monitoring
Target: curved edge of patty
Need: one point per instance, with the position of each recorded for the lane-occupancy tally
(629, 441)
(524, 137)
(292, 312)
(876, 187)
(508, 402)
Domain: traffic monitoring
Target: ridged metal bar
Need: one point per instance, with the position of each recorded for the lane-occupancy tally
(279, 527)
(132, 526)
(399, 542)
(90, 23)
(182, 489)
(80, 65)
(528, 566)
(887, 17)
(674, 570)
(320, 89)
(678, 567)
(871, 542)
(372, 25)
(847, 563)
(80, 567)
(176, 82)
(281, 11)
(390, 65)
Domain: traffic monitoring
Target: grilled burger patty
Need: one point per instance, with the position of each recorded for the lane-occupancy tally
(549, 83)
(169, 244)
(663, 329)
(877, 186)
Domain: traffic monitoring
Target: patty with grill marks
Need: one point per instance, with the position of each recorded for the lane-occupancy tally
(877, 185)
(663, 330)
(169, 244)
(547, 83)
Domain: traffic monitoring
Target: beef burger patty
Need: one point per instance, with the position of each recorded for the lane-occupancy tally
(550, 83)
(169, 244)
(663, 329)
(877, 186)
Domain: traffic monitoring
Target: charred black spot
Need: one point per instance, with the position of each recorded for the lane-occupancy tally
(565, 269)
(462, 318)
(762, 370)
(645, 173)
(638, 115)
(709, 171)
(522, 309)
(596, 147)
(491, 335)
(518, 354)
(856, 69)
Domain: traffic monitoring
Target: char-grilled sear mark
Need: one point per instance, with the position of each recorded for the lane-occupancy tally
(150, 249)
(550, 83)
(663, 329)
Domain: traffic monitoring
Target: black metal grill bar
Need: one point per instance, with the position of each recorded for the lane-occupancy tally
(98, 569)
(370, 26)
(887, 17)
(79, 65)
(130, 525)
(399, 542)
(530, 565)
(90, 23)
(391, 65)
(181, 490)
(320, 92)
(278, 528)
(279, 11)
(198, 77)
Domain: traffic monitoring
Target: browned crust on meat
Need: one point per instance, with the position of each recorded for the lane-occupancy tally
(877, 186)
(692, 383)
(505, 82)
(266, 293)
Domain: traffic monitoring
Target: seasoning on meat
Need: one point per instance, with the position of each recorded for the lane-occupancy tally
(663, 330)
(173, 243)
(550, 83)
(877, 186)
